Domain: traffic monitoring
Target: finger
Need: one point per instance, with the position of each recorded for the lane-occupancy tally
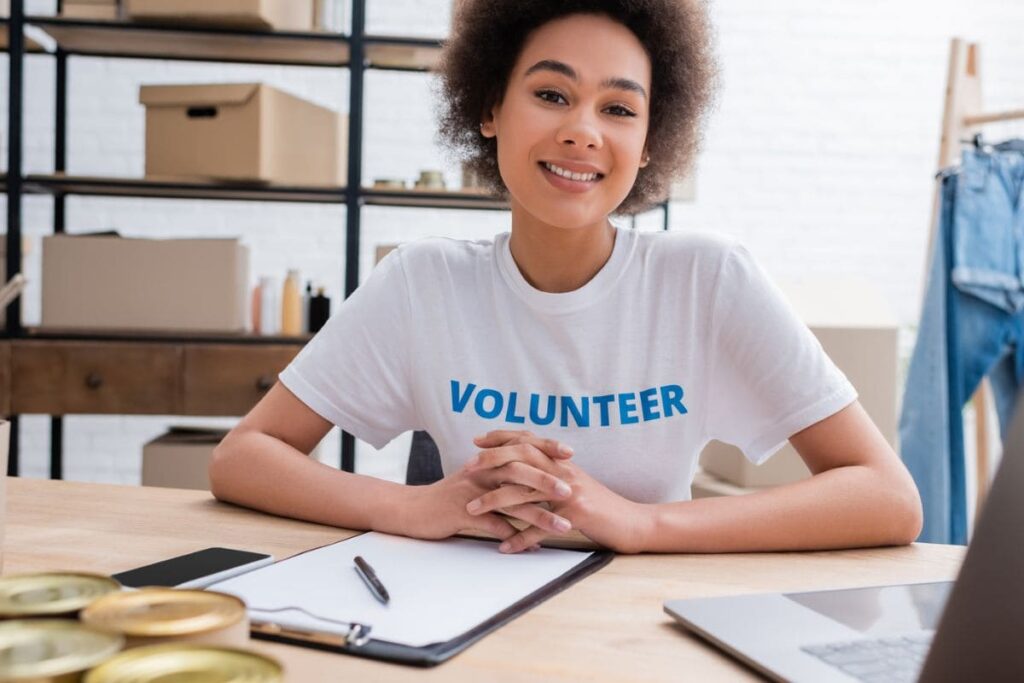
(503, 496)
(493, 458)
(521, 474)
(539, 517)
(492, 524)
(506, 490)
(552, 448)
(524, 539)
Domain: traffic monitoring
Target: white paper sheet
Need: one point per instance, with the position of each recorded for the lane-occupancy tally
(438, 589)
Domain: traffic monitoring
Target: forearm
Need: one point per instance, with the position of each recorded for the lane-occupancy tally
(845, 507)
(258, 471)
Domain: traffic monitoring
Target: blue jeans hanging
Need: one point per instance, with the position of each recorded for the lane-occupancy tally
(972, 326)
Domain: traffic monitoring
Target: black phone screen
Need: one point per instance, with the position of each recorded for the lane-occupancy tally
(178, 570)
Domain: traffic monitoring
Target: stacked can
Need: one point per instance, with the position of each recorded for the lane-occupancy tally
(36, 645)
(164, 633)
(160, 615)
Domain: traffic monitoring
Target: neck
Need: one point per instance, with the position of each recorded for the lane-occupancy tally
(554, 259)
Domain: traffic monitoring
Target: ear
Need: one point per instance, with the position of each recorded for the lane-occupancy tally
(645, 158)
(487, 126)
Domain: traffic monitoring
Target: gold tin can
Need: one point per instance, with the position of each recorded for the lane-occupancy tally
(388, 184)
(51, 594)
(164, 663)
(158, 615)
(52, 650)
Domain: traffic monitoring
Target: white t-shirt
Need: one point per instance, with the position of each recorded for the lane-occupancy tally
(680, 338)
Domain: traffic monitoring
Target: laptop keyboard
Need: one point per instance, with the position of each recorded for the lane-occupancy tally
(882, 660)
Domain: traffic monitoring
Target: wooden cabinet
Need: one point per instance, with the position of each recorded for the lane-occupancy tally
(5, 379)
(229, 380)
(137, 378)
(63, 378)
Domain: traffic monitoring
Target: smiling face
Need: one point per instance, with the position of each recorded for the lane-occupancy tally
(572, 125)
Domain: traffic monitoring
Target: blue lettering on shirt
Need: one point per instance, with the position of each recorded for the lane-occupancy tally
(535, 417)
(490, 403)
(492, 412)
(648, 403)
(603, 402)
(627, 406)
(510, 414)
(672, 395)
(459, 399)
(581, 415)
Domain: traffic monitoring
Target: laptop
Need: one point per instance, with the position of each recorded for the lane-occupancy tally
(968, 630)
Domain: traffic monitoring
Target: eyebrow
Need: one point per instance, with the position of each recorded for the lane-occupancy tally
(566, 70)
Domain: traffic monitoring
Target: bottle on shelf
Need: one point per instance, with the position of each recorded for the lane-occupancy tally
(291, 305)
(270, 308)
(255, 309)
(319, 310)
(306, 297)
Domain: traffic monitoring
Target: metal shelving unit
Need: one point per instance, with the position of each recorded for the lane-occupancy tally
(118, 40)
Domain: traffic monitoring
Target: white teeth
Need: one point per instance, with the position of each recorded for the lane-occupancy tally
(585, 177)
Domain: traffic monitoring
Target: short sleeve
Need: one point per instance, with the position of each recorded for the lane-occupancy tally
(355, 371)
(769, 376)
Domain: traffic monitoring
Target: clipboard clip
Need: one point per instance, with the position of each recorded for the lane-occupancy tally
(357, 636)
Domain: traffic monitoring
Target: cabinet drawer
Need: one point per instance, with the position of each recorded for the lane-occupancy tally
(5, 379)
(229, 380)
(63, 378)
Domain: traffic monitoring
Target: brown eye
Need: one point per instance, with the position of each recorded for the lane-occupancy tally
(619, 110)
(552, 96)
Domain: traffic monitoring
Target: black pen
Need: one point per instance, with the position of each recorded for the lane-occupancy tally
(369, 577)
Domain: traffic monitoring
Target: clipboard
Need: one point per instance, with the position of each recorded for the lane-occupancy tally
(357, 637)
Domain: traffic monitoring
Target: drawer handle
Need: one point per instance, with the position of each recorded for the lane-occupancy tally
(265, 382)
(93, 380)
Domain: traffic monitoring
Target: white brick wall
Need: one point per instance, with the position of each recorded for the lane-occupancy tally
(820, 157)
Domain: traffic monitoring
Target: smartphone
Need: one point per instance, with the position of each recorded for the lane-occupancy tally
(194, 570)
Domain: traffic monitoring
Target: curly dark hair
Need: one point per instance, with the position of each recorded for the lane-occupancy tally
(488, 36)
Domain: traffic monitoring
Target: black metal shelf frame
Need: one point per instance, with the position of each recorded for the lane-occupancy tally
(329, 50)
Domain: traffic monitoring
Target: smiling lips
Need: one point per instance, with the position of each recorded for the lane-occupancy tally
(571, 175)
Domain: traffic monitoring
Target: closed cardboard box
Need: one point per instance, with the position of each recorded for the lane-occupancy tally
(101, 10)
(180, 458)
(242, 131)
(280, 15)
(859, 332)
(104, 283)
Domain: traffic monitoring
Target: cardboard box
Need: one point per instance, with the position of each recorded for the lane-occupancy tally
(331, 16)
(99, 10)
(242, 131)
(180, 458)
(279, 15)
(859, 332)
(110, 282)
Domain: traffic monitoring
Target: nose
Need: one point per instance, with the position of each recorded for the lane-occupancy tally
(580, 130)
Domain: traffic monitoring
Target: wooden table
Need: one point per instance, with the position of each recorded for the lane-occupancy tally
(609, 627)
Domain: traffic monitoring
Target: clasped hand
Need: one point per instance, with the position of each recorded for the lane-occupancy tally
(534, 480)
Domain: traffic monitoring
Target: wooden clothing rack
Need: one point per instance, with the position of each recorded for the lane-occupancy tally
(963, 117)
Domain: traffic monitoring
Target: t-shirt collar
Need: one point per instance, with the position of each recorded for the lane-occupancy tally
(567, 302)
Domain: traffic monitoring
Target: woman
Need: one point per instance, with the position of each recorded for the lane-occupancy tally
(597, 361)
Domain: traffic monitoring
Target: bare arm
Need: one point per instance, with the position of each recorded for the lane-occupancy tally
(860, 495)
(263, 464)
